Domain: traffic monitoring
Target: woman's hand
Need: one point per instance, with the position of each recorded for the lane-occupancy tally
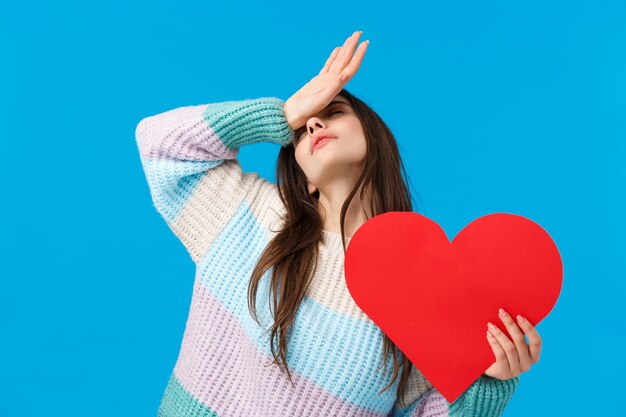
(513, 357)
(317, 93)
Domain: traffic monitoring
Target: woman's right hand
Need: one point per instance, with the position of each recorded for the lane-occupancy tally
(317, 93)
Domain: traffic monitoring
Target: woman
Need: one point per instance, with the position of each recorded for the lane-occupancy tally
(269, 260)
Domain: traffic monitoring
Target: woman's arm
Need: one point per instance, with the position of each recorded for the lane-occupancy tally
(189, 153)
(189, 158)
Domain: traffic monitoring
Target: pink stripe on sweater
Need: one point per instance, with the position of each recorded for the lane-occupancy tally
(433, 405)
(182, 134)
(215, 348)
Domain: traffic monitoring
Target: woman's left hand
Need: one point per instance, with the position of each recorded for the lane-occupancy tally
(513, 357)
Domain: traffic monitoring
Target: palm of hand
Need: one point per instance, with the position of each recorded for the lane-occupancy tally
(340, 66)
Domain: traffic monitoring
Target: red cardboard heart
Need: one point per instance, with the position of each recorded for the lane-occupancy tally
(433, 298)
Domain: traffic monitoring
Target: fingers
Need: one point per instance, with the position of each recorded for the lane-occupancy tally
(346, 52)
(518, 339)
(354, 65)
(330, 59)
(502, 363)
(534, 339)
(509, 348)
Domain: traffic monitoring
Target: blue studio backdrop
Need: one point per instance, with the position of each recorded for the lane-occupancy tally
(497, 107)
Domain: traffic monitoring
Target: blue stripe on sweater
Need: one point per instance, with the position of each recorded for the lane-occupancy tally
(322, 341)
(172, 182)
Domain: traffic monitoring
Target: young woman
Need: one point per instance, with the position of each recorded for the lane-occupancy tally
(272, 328)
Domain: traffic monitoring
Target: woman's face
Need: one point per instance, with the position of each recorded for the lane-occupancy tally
(340, 158)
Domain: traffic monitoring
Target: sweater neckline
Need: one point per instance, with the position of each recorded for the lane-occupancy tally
(332, 240)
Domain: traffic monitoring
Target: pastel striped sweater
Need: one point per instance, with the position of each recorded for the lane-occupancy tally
(225, 217)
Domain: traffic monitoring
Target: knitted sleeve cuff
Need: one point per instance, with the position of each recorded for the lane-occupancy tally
(486, 397)
(249, 121)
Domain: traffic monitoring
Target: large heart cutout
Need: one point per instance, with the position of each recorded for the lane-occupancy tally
(433, 298)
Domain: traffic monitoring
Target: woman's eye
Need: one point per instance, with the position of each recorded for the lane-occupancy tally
(298, 135)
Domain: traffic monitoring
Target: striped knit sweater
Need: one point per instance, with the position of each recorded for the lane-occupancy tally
(225, 217)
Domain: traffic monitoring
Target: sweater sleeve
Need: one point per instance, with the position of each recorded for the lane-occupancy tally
(188, 155)
(486, 397)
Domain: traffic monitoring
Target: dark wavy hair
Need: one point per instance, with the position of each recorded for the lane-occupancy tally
(294, 249)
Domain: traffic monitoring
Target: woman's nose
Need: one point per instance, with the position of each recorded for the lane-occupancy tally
(316, 123)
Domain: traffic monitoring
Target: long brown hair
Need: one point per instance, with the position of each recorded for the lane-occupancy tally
(293, 251)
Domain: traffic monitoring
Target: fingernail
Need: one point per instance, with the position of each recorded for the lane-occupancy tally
(503, 313)
(521, 319)
(491, 326)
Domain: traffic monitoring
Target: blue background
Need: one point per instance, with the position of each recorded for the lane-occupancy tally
(496, 106)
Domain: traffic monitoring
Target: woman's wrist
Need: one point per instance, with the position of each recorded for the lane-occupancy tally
(291, 119)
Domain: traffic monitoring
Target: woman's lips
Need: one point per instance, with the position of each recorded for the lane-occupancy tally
(322, 142)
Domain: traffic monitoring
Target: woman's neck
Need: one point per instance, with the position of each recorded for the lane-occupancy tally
(329, 208)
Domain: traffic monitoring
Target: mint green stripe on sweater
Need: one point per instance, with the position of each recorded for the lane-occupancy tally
(176, 401)
(486, 397)
(245, 122)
